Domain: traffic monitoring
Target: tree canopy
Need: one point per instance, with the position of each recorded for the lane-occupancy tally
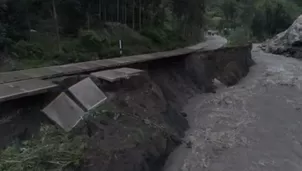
(56, 27)
(259, 18)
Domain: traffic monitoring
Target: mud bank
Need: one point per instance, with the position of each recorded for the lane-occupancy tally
(143, 119)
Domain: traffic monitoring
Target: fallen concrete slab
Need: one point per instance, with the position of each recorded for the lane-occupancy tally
(130, 71)
(108, 75)
(10, 91)
(88, 94)
(65, 112)
(117, 74)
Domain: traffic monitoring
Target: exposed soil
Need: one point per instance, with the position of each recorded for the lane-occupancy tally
(138, 135)
(142, 121)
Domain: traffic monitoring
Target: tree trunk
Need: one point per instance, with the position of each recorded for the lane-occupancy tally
(118, 10)
(125, 12)
(56, 24)
(105, 13)
(88, 20)
(140, 14)
(28, 21)
(88, 17)
(100, 10)
(133, 14)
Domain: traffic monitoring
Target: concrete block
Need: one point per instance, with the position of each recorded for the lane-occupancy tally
(130, 71)
(88, 94)
(117, 74)
(64, 111)
(109, 75)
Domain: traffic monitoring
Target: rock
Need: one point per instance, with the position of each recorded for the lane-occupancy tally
(231, 74)
(184, 114)
(288, 42)
(189, 144)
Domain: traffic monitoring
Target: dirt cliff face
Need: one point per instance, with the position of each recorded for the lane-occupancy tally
(143, 119)
(151, 106)
(141, 132)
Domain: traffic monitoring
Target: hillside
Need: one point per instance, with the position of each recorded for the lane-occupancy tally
(41, 50)
(37, 33)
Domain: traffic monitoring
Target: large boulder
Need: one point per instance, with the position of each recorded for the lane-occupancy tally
(288, 43)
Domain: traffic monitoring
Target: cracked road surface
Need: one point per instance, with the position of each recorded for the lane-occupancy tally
(253, 126)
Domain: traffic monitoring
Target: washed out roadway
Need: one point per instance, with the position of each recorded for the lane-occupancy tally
(29, 84)
(253, 126)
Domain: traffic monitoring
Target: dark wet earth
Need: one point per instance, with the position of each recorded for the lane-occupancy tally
(253, 126)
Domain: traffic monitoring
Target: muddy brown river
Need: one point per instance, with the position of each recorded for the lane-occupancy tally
(253, 126)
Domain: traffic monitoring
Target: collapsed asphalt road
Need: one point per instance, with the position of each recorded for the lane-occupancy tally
(253, 126)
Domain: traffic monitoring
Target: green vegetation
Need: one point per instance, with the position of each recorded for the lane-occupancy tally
(38, 33)
(251, 20)
(52, 149)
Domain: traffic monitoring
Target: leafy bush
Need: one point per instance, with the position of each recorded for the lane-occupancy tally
(166, 37)
(26, 50)
(239, 36)
(70, 45)
(156, 35)
(51, 150)
(72, 56)
(2, 35)
(91, 41)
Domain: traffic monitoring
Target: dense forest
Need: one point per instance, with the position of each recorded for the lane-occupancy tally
(39, 32)
(47, 32)
(251, 20)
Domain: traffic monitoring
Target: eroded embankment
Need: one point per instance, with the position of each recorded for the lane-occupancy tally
(143, 119)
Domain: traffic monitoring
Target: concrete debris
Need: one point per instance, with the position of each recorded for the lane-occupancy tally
(88, 94)
(117, 74)
(64, 111)
(67, 111)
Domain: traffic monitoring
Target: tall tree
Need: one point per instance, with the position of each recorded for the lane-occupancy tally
(118, 10)
(133, 14)
(140, 15)
(55, 17)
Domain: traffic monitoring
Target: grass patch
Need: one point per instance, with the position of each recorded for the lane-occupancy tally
(52, 149)
(100, 43)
